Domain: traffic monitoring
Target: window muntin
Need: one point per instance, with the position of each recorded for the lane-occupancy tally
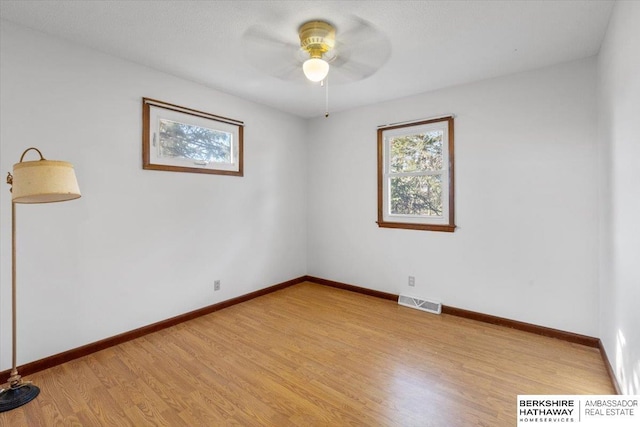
(415, 175)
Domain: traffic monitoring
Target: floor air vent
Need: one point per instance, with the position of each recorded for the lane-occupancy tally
(420, 304)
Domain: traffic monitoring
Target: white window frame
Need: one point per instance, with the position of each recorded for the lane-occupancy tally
(444, 222)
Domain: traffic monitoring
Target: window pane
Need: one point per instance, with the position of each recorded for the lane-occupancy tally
(420, 152)
(180, 140)
(416, 195)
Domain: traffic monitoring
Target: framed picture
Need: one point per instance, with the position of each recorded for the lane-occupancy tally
(180, 139)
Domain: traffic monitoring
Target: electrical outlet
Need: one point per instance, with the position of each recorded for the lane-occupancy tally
(412, 281)
(216, 285)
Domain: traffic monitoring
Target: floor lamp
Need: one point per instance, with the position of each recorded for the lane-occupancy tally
(38, 181)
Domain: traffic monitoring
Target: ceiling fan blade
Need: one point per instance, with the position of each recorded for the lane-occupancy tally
(359, 32)
(260, 34)
(353, 70)
(289, 72)
(363, 63)
(361, 50)
(269, 53)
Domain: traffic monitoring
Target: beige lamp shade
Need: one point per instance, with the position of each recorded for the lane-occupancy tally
(44, 181)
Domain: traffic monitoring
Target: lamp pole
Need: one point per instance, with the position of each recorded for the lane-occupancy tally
(19, 392)
(14, 378)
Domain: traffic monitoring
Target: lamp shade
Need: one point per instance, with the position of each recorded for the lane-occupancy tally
(44, 181)
(315, 69)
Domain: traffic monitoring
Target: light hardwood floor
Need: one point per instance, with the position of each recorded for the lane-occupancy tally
(311, 355)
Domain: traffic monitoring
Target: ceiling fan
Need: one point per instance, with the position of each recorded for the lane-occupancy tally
(351, 51)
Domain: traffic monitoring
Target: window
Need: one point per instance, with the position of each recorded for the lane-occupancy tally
(180, 139)
(415, 175)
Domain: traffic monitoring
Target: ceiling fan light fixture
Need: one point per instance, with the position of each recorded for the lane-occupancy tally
(315, 69)
(316, 39)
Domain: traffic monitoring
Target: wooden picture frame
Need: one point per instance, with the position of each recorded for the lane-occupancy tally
(181, 139)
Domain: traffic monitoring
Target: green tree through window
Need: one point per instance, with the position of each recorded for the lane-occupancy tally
(416, 195)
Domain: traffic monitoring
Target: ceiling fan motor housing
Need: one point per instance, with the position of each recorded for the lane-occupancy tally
(317, 37)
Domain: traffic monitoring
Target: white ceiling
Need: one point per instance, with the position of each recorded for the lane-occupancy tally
(431, 44)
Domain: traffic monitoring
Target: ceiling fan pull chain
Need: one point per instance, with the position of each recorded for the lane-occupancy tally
(326, 96)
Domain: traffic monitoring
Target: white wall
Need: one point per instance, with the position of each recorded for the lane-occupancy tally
(139, 246)
(142, 246)
(526, 188)
(619, 137)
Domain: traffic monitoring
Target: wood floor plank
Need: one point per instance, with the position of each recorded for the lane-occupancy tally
(313, 355)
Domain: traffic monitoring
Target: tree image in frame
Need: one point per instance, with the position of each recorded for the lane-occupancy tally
(202, 145)
(416, 169)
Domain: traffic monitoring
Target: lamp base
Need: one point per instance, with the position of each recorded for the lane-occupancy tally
(14, 397)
